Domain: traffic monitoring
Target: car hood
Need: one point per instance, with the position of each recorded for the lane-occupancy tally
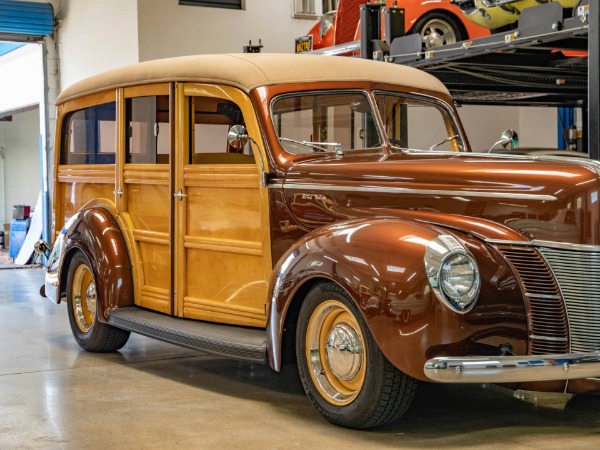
(537, 198)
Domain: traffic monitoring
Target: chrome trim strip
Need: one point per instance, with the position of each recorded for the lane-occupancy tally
(513, 369)
(53, 265)
(566, 246)
(399, 190)
(548, 338)
(339, 49)
(51, 287)
(438, 251)
(550, 244)
(553, 297)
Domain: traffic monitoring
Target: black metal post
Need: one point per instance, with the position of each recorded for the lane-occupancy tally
(594, 80)
(370, 28)
(393, 23)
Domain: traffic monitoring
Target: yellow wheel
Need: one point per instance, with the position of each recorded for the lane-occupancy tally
(335, 352)
(83, 303)
(83, 288)
(343, 371)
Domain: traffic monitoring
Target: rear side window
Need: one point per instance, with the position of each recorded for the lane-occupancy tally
(149, 131)
(90, 136)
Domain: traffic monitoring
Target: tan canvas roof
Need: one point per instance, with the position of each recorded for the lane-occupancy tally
(248, 71)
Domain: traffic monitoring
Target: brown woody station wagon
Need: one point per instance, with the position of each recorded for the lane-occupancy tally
(325, 212)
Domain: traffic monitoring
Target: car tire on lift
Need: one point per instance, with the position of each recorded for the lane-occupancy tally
(438, 28)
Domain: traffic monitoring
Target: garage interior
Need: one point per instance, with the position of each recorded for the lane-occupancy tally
(152, 394)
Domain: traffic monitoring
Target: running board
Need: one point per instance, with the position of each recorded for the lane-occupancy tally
(247, 344)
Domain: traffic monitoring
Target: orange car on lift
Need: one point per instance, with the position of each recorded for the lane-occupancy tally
(438, 21)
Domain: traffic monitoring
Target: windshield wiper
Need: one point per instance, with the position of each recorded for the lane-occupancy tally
(320, 146)
(448, 139)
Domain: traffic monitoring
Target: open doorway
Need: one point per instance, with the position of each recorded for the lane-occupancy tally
(21, 90)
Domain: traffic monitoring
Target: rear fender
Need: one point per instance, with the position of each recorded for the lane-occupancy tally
(379, 262)
(96, 233)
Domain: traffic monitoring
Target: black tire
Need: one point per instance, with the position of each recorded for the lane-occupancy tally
(438, 28)
(354, 389)
(91, 334)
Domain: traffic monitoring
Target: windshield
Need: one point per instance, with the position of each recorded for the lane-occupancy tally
(325, 122)
(413, 123)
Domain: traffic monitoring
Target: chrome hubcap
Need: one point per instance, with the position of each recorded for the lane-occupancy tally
(335, 353)
(436, 33)
(344, 351)
(84, 298)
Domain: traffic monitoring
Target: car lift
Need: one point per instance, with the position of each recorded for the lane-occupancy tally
(549, 60)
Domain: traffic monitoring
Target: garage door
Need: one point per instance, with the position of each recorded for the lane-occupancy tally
(25, 21)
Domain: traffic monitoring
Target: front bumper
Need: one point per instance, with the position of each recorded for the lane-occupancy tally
(53, 265)
(513, 369)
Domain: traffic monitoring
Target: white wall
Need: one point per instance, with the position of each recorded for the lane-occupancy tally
(168, 29)
(21, 78)
(20, 181)
(96, 35)
(536, 127)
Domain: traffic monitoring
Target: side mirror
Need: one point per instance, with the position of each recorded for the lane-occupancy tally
(42, 247)
(509, 137)
(237, 136)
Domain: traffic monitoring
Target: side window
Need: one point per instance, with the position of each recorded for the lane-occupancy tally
(90, 136)
(149, 131)
(211, 120)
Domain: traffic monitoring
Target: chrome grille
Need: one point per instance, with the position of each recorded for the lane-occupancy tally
(578, 276)
(548, 329)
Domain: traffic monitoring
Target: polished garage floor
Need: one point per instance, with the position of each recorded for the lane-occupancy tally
(154, 395)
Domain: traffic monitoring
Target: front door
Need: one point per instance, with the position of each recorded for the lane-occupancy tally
(222, 250)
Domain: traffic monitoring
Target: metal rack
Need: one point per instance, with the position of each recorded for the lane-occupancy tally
(549, 60)
(534, 64)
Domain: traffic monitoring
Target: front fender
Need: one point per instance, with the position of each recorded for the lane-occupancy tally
(379, 262)
(96, 233)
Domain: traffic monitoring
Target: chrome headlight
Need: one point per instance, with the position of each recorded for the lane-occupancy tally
(326, 22)
(452, 273)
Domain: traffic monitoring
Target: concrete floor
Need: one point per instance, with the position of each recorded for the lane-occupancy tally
(155, 395)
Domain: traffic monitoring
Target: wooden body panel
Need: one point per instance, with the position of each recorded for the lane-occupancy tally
(222, 261)
(148, 206)
(225, 280)
(78, 185)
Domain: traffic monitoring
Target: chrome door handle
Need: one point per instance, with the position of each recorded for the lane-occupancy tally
(179, 195)
(118, 192)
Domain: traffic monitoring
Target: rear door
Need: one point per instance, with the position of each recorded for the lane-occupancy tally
(144, 190)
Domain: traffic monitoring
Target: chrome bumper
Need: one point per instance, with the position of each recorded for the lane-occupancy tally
(513, 369)
(51, 283)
